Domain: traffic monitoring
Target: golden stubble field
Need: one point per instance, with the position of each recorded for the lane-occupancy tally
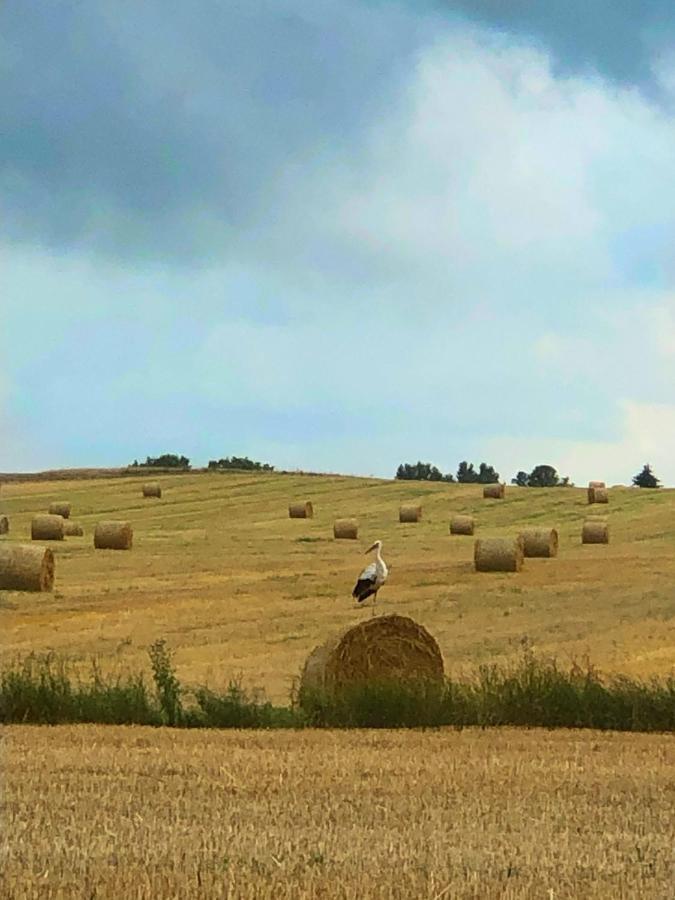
(239, 589)
(110, 812)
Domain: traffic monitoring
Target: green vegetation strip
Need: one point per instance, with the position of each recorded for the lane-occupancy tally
(532, 693)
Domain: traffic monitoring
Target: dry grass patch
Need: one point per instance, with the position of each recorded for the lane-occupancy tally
(141, 813)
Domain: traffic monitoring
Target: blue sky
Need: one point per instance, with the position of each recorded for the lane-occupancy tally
(339, 235)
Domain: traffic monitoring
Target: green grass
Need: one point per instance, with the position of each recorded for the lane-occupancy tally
(534, 692)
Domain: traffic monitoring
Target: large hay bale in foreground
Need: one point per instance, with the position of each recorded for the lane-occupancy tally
(60, 508)
(595, 531)
(47, 527)
(4, 525)
(345, 529)
(493, 492)
(24, 567)
(462, 525)
(498, 554)
(382, 648)
(303, 510)
(540, 542)
(410, 512)
(598, 495)
(113, 536)
(72, 529)
(152, 489)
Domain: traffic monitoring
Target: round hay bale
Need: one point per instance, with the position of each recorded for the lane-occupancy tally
(540, 542)
(24, 567)
(462, 525)
(600, 495)
(4, 525)
(47, 527)
(72, 529)
(595, 531)
(345, 529)
(303, 510)
(410, 512)
(493, 492)
(596, 484)
(113, 536)
(498, 554)
(60, 508)
(382, 648)
(152, 489)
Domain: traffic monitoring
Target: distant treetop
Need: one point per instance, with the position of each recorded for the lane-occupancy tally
(646, 478)
(240, 462)
(165, 461)
(541, 476)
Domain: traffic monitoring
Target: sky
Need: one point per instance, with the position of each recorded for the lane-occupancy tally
(337, 235)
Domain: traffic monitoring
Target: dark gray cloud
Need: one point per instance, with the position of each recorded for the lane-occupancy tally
(186, 131)
(167, 128)
(615, 38)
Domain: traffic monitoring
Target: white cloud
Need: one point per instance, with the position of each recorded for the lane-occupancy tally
(647, 434)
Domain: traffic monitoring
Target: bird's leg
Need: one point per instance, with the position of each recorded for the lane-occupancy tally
(372, 611)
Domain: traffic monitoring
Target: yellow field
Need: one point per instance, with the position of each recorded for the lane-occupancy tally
(236, 587)
(111, 812)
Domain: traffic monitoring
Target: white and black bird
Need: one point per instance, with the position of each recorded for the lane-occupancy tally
(372, 578)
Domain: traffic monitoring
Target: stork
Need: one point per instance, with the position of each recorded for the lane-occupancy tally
(372, 578)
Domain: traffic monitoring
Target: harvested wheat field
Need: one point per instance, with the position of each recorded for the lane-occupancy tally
(111, 812)
(238, 588)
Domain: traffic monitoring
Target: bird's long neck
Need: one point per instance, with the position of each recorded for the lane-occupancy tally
(378, 558)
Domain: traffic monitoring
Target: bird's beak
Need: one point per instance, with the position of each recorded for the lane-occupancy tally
(369, 549)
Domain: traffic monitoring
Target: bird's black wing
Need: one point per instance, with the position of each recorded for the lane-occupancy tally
(364, 588)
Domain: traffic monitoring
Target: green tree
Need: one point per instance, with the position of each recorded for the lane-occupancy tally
(466, 474)
(487, 474)
(521, 479)
(543, 476)
(646, 478)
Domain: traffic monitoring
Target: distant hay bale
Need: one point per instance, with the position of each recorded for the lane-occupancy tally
(381, 648)
(303, 510)
(596, 484)
(493, 492)
(540, 542)
(152, 489)
(60, 508)
(72, 529)
(600, 495)
(498, 554)
(47, 527)
(24, 567)
(113, 536)
(4, 525)
(595, 531)
(345, 529)
(462, 525)
(410, 512)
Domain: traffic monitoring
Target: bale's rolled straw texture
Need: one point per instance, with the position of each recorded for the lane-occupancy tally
(113, 536)
(47, 527)
(381, 648)
(598, 495)
(493, 492)
(303, 510)
(462, 525)
(72, 529)
(345, 529)
(595, 531)
(498, 554)
(540, 542)
(152, 489)
(24, 567)
(60, 508)
(4, 525)
(410, 512)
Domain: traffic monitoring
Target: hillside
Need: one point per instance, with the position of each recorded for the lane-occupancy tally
(237, 588)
